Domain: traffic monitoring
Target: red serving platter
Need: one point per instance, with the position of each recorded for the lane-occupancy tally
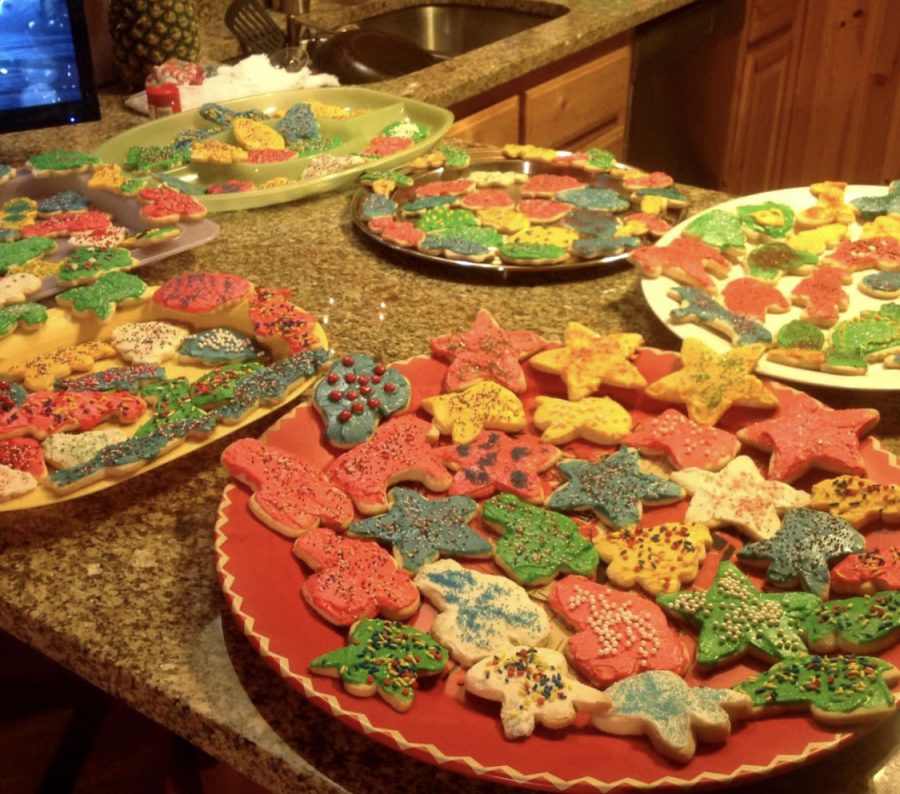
(262, 582)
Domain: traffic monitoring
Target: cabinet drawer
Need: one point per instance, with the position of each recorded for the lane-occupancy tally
(495, 125)
(569, 107)
(766, 17)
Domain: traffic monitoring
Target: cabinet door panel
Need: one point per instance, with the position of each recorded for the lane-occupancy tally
(495, 125)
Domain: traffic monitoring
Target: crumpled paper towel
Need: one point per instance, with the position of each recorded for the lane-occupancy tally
(253, 75)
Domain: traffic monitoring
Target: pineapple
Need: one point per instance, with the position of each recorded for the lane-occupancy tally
(147, 32)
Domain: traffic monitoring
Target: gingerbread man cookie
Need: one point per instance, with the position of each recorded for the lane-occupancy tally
(822, 296)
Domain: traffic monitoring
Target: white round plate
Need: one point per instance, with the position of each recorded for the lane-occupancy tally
(877, 378)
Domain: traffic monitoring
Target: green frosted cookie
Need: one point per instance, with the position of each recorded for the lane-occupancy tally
(28, 315)
(21, 252)
(719, 229)
(100, 298)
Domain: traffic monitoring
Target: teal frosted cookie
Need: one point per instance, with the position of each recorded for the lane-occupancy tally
(613, 487)
(603, 246)
(216, 346)
(671, 194)
(88, 263)
(770, 219)
(20, 252)
(465, 242)
(445, 218)
(771, 261)
(424, 203)
(356, 394)
(101, 297)
(802, 548)
(537, 545)
(870, 207)
(28, 316)
(60, 161)
(593, 223)
(195, 135)
(66, 201)
(699, 307)
(386, 657)
(420, 529)
(179, 185)
(884, 285)
(377, 206)
(219, 386)
(131, 379)
(594, 198)
(299, 123)
(7, 172)
(719, 229)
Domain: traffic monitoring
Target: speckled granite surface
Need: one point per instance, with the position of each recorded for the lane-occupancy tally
(121, 586)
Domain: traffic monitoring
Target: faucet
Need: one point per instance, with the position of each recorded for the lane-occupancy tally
(297, 31)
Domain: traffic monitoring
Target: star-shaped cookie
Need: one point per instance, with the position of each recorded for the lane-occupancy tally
(709, 383)
(806, 433)
(613, 487)
(497, 462)
(486, 352)
(738, 496)
(600, 420)
(735, 618)
(685, 443)
(421, 529)
(484, 406)
(672, 714)
(801, 550)
(588, 360)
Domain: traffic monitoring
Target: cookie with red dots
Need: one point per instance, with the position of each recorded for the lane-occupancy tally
(356, 395)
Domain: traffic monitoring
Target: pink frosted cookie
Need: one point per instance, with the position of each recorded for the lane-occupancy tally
(353, 579)
(486, 352)
(402, 233)
(163, 206)
(398, 451)
(753, 298)
(543, 210)
(635, 180)
(44, 413)
(448, 187)
(686, 260)
(487, 199)
(684, 442)
(23, 454)
(617, 634)
(878, 252)
(386, 145)
(822, 296)
(258, 156)
(289, 496)
(546, 185)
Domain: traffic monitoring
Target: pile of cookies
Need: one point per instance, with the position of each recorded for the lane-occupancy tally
(555, 505)
(537, 208)
(739, 269)
(187, 361)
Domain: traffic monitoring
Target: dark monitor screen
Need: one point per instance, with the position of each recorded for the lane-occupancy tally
(45, 65)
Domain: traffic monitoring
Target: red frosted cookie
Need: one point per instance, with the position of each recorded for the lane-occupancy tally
(270, 155)
(386, 145)
(686, 260)
(822, 295)
(398, 451)
(43, 413)
(23, 454)
(284, 328)
(545, 185)
(163, 206)
(289, 496)
(753, 298)
(805, 433)
(402, 233)
(189, 294)
(868, 572)
(685, 443)
(655, 179)
(354, 579)
(486, 352)
(543, 210)
(655, 224)
(487, 198)
(448, 187)
(618, 634)
(878, 252)
(62, 224)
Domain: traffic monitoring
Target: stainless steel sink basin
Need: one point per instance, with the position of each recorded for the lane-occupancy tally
(449, 30)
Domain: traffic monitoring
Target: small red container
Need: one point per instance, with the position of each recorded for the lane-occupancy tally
(163, 100)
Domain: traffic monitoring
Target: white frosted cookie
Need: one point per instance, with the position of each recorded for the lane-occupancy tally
(67, 450)
(16, 287)
(14, 483)
(479, 613)
(533, 685)
(151, 342)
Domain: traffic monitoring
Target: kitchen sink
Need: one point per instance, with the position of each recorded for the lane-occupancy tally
(449, 30)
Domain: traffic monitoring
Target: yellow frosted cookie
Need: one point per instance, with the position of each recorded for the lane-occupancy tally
(587, 360)
(255, 135)
(504, 219)
(41, 372)
(818, 240)
(882, 226)
(107, 176)
(484, 406)
(596, 419)
(217, 152)
(545, 235)
(528, 152)
(831, 206)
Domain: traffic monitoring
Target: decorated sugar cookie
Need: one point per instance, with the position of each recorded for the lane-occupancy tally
(280, 325)
(710, 383)
(884, 286)
(221, 385)
(57, 162)
(672, 714)
(402, 233)
(683, 442)
(617, 634)
(837, 690)
(486, 352)
(534, 686)
(44, 413)
(770, 261)
(734, 618)
(588, 360)
(594, 198)
(446, 187)
(150, 342)
(495, 462)
(800, 552)
(818, 240)
(806, 433)
(753, 298)
(216, 346)
(867, 572)
(101, 298)
(535, 544)
(738, 496)
(479, 613)
(474, 243)
(99, 239)
(720, 229)
(870, 207)
(822, 296)
(163, 206)
(65, 450)
(858, 500)
(487, 198)
(600, 420)
(528, 151)
(613, 487)
(798, 343)
(504, 220)
(17, 287)
(659, 559)
(696, 306)
(685, 260)
(856, 342)
(543, 211)
(484, 406)
(547, 185)
(21, 316)
(64, 224)
(767, 221)
(386, 657)
(15, 483)
(131, 379)
(22, 252)
(830, 207)
(862, 624)
(23, 454)
(882, 253)
(353, 579)
(41, 372)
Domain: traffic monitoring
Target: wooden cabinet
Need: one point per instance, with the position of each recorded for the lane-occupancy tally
(580, 102)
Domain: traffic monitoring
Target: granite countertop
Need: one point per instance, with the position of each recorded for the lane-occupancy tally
(121, 586)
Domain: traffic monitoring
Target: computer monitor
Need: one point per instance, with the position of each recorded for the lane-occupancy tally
(45, 65)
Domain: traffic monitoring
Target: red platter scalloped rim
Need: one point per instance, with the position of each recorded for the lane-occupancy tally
(261, 581)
